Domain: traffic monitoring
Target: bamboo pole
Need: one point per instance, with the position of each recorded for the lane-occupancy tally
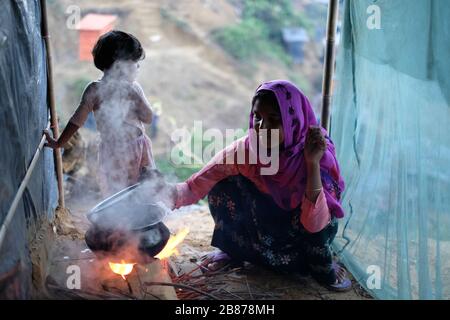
(51, 99)
(23, 185)
(328, 70)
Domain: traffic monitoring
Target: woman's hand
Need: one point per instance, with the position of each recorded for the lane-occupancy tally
(51, 143)
(315, 145)
(167, 192)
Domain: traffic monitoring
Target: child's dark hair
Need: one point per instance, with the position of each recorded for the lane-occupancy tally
(116, 45)
(266, 97)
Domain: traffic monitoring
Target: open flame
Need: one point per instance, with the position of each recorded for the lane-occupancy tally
(171, 246)
(122, 268)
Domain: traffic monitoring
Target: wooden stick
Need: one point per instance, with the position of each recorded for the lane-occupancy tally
(51, 97)
(12, 209)
(117, 290)
(181, 286)
(328, 68)
(233, 294)
(190, 272)
(129, 286)
(248, 288)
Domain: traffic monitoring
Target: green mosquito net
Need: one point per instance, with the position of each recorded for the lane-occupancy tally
(391, 126)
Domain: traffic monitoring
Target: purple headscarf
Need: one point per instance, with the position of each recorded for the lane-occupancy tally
(288, 185)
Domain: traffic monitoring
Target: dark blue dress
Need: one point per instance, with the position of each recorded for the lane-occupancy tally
(249, 226)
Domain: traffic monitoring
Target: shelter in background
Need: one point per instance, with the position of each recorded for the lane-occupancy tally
(90, 28)
(294, 40)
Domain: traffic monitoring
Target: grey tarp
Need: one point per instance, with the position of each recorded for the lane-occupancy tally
(23, 116)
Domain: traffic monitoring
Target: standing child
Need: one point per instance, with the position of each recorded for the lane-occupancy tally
(120, 110)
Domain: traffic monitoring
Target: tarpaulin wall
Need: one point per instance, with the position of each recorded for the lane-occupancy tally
(23, 116)
(390, 122)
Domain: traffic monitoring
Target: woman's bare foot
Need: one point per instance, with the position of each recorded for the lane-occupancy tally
(343, 283)
(219, 260)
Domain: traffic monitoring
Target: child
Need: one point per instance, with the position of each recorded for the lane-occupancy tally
(120, 110)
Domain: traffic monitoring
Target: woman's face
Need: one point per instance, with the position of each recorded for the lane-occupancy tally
(267, 116)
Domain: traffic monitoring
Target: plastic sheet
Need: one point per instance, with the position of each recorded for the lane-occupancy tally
(23, 116)
(390, 120)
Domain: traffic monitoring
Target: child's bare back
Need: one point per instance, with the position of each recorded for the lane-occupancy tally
(120, 109)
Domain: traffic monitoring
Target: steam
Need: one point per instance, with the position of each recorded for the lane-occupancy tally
(117, 223)
(134, 208)
(131, 222)
(118, 97)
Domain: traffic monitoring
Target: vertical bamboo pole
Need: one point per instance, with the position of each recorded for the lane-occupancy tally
(328, 70)
(51, 99)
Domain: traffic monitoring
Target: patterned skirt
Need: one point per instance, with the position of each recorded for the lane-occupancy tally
(249, 226)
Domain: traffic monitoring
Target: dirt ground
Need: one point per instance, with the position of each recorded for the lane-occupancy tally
(253, 279)
(241, 282)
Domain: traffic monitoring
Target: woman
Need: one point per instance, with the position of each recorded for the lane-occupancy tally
(286, 220)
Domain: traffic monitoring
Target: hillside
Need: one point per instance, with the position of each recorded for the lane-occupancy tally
(184, 69)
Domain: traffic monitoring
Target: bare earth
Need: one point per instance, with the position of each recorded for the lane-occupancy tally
(244, 282)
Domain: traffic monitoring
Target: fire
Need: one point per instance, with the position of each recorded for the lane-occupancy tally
(171, 246)
(122, 268)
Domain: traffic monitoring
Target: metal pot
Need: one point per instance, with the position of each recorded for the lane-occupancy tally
(127, 218)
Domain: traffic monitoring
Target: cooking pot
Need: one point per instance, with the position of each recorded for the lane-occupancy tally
(130, 217)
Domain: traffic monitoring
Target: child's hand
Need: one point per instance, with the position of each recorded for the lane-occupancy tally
(51, 143)
(315, 145)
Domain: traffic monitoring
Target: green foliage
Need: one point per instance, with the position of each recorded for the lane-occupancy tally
(275, 15)
(244, 40)
(258, 35)
(182, 172)
(175, 173)
(78, 86)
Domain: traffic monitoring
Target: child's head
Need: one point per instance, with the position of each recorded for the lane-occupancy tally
(117, 46)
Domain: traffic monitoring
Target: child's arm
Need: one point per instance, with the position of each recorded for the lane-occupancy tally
(76, 121)
(143, 109)
(65, 136)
